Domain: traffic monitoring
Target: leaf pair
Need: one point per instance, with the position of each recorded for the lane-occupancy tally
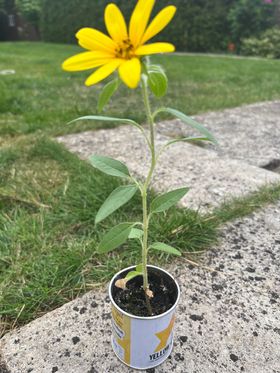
(119, 234)
(123, 194)
(161, 204)
(157, 81)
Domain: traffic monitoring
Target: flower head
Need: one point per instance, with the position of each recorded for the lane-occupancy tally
(124, 47)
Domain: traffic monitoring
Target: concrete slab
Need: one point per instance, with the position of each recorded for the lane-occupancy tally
(211, 178)
(250, 133)
(227, 321)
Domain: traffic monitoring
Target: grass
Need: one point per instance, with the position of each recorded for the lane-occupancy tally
(42, 97)
(246, 205)
(49, 198)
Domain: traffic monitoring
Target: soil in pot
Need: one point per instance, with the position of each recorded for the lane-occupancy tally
(133, 300)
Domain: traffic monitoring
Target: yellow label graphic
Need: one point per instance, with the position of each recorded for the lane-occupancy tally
(123, 322)
(164, 335)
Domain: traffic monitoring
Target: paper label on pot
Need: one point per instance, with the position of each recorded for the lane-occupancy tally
(122, 331)
(142, 342)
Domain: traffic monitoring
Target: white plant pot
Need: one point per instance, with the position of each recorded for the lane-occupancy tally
(142, 342)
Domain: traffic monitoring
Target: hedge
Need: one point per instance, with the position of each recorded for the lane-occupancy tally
(30, 10)
(267, 45)
(199, 25)
(249, 18)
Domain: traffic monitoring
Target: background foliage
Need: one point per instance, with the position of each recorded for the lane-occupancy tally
(199, 25)
(251, 17)
(31, 10)
(267, 45)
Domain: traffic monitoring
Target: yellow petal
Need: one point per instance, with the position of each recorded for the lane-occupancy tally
(139, 20)
(103, 72)
(86, 61)
(115, 23)
(159, 22)
(130, 72)
(92, 39)
(155, 48)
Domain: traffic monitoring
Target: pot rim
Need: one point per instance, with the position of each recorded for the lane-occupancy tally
(144, 317)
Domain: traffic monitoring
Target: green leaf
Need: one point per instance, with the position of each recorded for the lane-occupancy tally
(165, 201)
(115, 237)
(157, 80)
(116, 199)
(110, 119)
(188, 120)
(109, 166)
(107, 92)
(187, 139)
(139, 268)
(107, 119)
(136, 233)
(165, 248)
(132, 274)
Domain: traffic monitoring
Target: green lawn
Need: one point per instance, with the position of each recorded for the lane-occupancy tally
(49, 198)
(40, 96)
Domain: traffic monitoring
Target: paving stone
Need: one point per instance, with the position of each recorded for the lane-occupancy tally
(227, 320)
(211, 178)
(250, 133)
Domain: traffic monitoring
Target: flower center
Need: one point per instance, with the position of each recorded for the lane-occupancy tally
(125, 50)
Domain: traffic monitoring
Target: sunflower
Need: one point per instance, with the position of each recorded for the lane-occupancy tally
(125, 47)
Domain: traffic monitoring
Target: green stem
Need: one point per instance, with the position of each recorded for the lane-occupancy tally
(145, 240)
(147, 182)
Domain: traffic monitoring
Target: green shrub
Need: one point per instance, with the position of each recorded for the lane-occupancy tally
(4, 26)
(268, 45)
(249, 18)
(31, 10)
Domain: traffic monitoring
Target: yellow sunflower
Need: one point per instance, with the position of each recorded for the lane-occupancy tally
(125, 47)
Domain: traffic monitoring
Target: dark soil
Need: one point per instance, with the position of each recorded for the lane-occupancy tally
(133, 300)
